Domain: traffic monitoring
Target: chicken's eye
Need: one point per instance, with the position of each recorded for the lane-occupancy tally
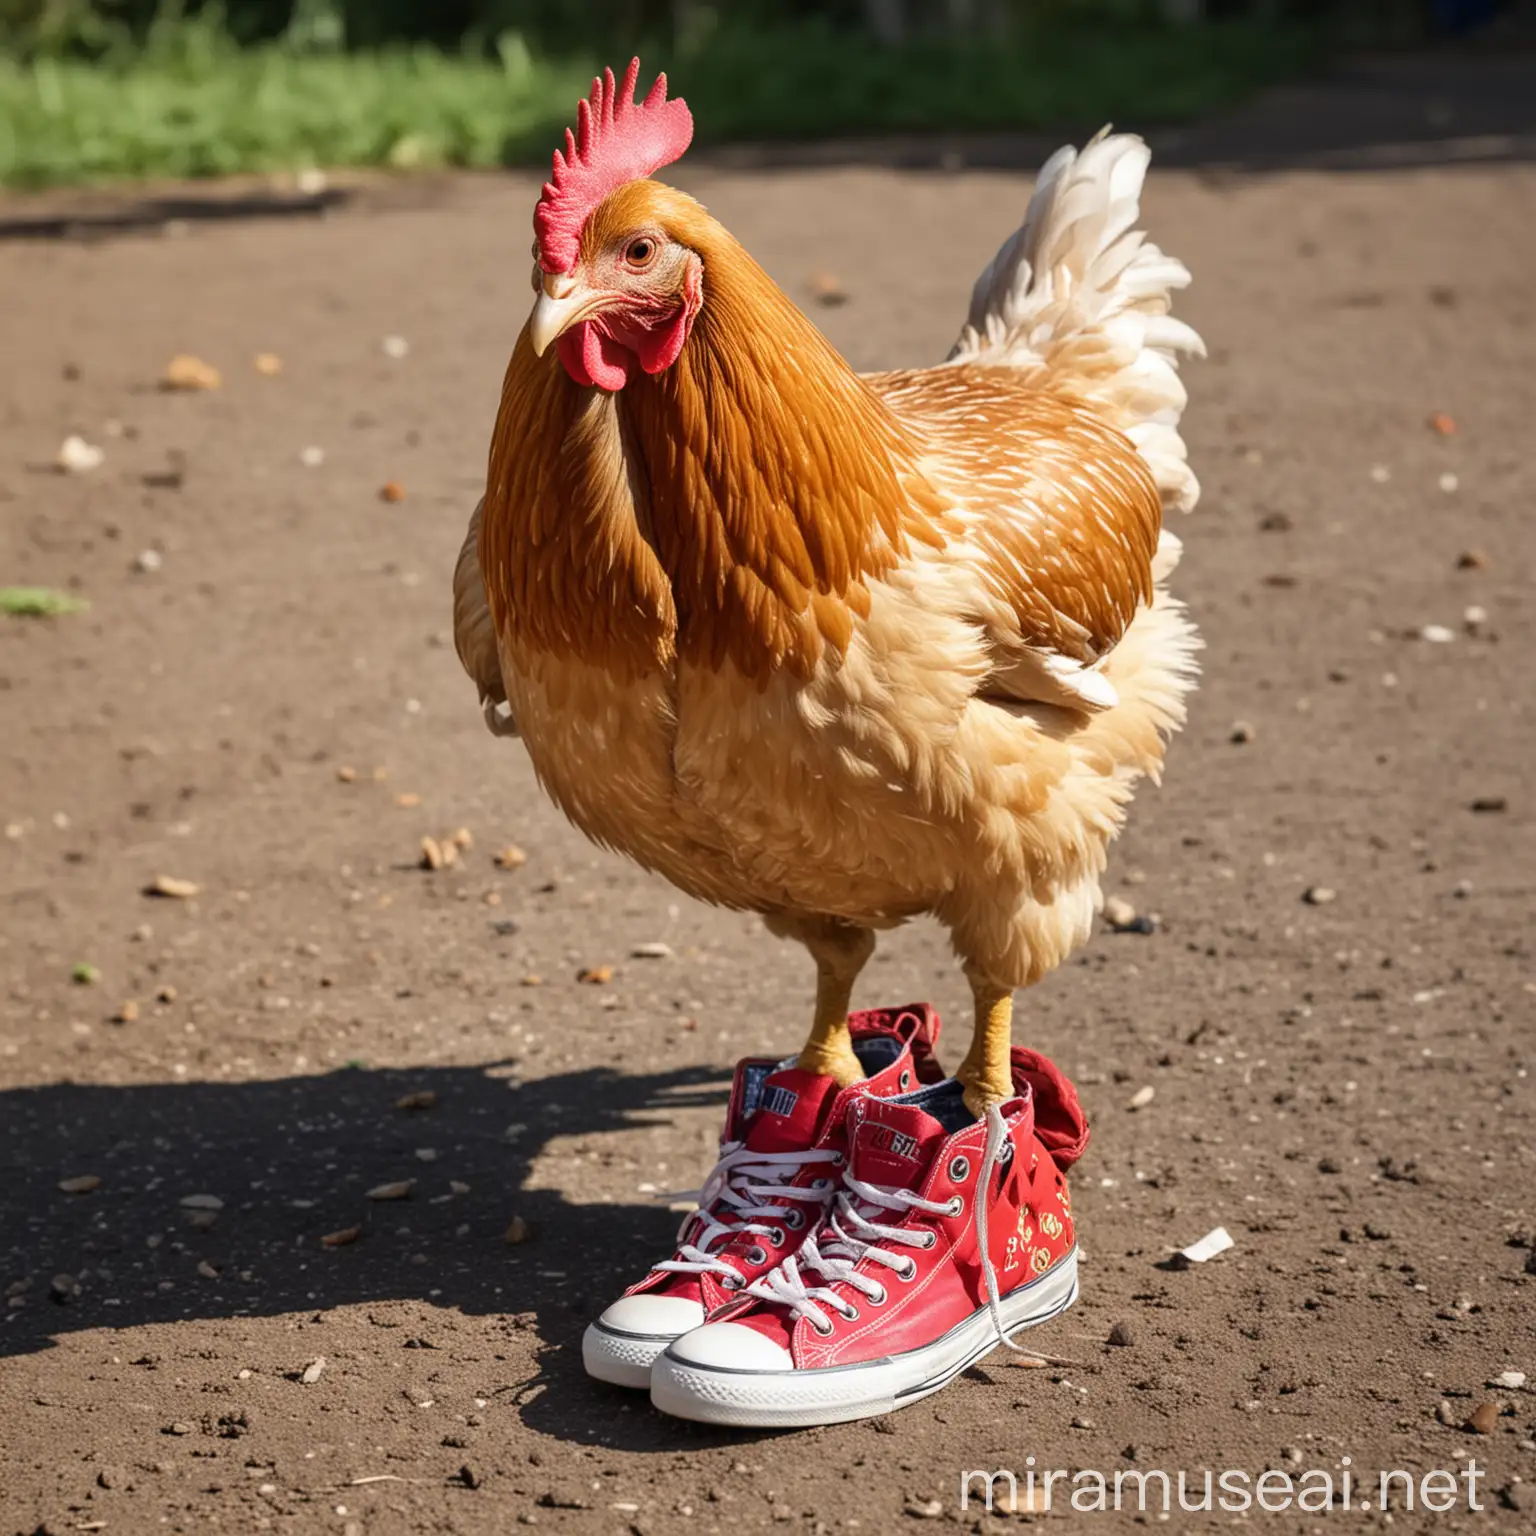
(640, 251)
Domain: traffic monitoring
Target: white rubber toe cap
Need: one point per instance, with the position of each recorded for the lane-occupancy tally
(652, 1316)
(731, 1347)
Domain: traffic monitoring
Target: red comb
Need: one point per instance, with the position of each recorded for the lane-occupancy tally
(616, 140)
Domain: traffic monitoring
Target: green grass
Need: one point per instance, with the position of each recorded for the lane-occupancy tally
(199, 106)
(38, 602)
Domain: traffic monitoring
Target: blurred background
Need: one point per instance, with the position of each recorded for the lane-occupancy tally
(99, 89)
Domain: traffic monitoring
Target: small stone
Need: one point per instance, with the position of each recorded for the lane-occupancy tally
(431, 853)
(655, 950)
(463, 839)
(268, 364)
(202, 1203)
(397, 1189)
(346, 775)
(180, 1427)
(172, 887)
(1486, 805)
(186, 372)
(392, 491)
(1437, 634)
(517, 1232)
(595, 975)
(1242, 733)
(1122, 1334)
(1472, 560)
(1511, 1381)
(1142, 1097)
(108, 1477)
(1442, 422)
(422, 1098)
(206, 1270)
(80, 1184)
(341, 1237)
(312, 457)
(468, 1476)
(918, 1509)
(395, 347)
(511, 857)
(84, 974)
(1082, 1423)
(63, 1288)
(1446, 1413)
(311, 181)
(312, 1372)
(1462, 889)
(827, 290)
(148, 561)
(407, 801)
(1449, 482)
(426, 1154)
(1483, 1419)
(78, 457)
(1119, 913)
(1474, 617)
(1319, 895)
(1380, 474)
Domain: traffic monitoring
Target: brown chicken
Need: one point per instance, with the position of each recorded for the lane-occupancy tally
(838, 648)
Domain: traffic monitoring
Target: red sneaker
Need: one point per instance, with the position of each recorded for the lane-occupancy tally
(780, 1158)
(948, 1235)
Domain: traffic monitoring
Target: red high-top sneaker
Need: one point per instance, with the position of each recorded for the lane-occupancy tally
(947, 1236)
(780, 1158)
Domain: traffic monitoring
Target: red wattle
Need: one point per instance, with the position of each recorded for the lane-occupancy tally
(593, 358)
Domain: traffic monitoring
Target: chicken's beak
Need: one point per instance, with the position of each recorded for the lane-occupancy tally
(563, 300)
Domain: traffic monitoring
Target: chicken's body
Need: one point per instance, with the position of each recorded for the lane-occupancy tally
(844, 650)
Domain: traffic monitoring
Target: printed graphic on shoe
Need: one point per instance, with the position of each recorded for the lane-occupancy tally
(948, 1235)
(780, 1161)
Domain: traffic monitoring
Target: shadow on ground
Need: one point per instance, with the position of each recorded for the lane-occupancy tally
(292, 1160)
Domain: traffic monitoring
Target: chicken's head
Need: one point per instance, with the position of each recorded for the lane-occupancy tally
(617, 285)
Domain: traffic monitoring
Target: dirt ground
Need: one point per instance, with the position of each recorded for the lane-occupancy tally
(275, 713)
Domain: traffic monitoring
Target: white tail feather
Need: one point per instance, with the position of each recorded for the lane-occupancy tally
(1080, 299)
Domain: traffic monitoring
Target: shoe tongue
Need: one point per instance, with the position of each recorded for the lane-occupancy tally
(892, 1144)
(790, 1110)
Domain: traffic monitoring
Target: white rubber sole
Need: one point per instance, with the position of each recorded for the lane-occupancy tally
(625, 1359)
(835, 1394)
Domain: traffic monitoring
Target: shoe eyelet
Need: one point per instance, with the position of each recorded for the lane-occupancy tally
(955, 1206)
(757, 1254)
(776, 1236)
(851, 1315)
(838, 1160)
(906, 1081)
(821, 1183)
(910, 1272)
(930, 1239)
(826, 1332)
(731, 1283)
(794, 1218)
(959, 1169)
(879, 1299)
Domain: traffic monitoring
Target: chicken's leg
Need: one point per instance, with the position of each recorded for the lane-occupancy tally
(840, 950)
(986, 1070)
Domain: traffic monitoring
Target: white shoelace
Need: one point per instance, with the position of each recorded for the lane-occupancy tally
(850, 1235)
(754, 1187)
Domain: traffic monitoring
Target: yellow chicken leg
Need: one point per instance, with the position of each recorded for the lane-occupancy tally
(840, 951)
(986, 1070)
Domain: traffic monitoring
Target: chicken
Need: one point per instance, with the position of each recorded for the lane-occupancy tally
(839, 649)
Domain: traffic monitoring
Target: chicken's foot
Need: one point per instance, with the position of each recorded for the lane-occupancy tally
(840, 951)
(986, 1071)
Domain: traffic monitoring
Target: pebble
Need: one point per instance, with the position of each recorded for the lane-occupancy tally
(1475, 616)
(1510, 1380)
(423, 1098)
(341, 1238)
(78, 457)
(1483, 1419)
(517, 1231)
(392, 491)
(127, 1012)
(426, 1154)
(1242, 733)
(312, 457)
(433, 854)
(1380, 474)
(511, 857)
(1319, 895)
(595, 975)
(652, 951)
(148, 561)
(172, 887)
(1472, 560)
(311, 181)
(206, 1270)
(178, 1428)
(63, 1287)
(1446, 1413)
(268, 364)
(1142, 1097)
(1442, 422)
(80, 1184)
(395, 347)
(1119, 913)
(1122, 1334)
(918, 1509)
(1489, 804)
(202, 1203)
(312, 1372)
(1437, 634)
(397, 1189)
(186, 372)
(1449, 482)
(827, 290)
